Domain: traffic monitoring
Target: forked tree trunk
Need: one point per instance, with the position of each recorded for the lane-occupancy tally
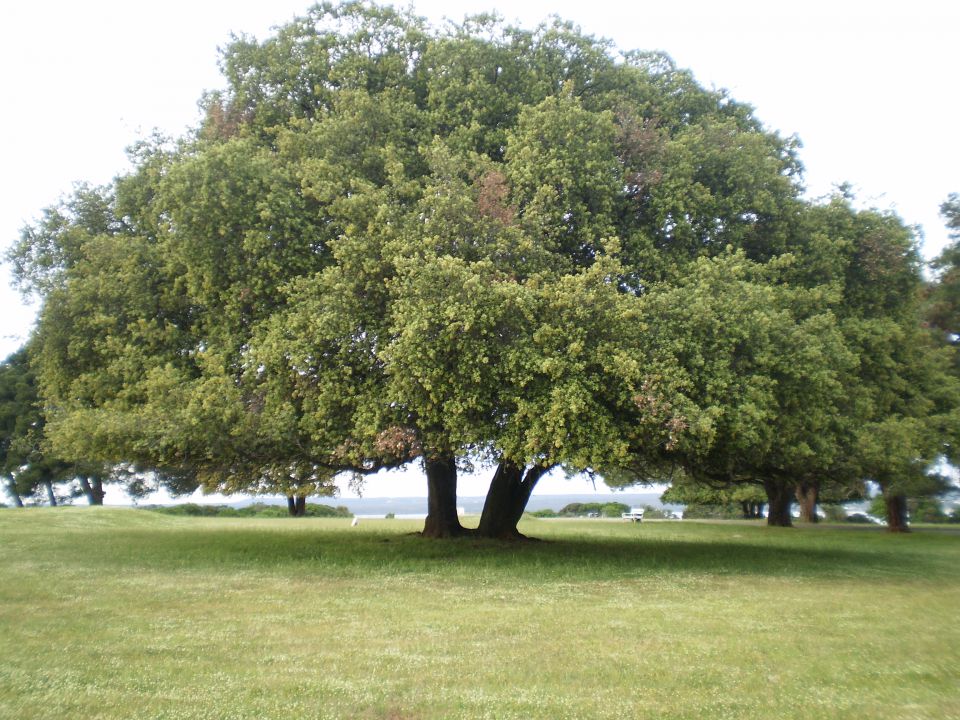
(442, 519)
(779, 498)
(297, 505)
(93, 490)
(50, 495)
(507, 498)
(896, 513)
(808, 496)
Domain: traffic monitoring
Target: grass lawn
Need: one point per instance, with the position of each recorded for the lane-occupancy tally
(117, 613)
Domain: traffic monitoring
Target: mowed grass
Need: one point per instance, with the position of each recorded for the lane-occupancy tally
(114, 613)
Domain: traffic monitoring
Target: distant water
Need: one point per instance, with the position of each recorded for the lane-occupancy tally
(413, 508)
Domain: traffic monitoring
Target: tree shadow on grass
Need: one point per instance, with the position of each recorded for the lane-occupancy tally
(327, 552)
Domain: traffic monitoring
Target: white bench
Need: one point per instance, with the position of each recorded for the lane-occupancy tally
(635, 515)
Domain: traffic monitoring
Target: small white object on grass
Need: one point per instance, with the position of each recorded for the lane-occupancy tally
(355, 522)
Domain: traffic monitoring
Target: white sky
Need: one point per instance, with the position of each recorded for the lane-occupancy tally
(871, 88)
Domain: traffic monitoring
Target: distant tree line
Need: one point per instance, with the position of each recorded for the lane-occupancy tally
(607, 510)
(388, 243)
(263, 510)
(604, 510)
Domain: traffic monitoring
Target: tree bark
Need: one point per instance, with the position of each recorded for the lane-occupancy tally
(808, 496)
(896, 512)
(301, 503)
(779, 499)
(14, 495)
(507, 498)
(93, 491)
(297, 505)
(442, 519)
(50, 495)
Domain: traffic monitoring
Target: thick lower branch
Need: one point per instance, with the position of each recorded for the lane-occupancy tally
(507, 498)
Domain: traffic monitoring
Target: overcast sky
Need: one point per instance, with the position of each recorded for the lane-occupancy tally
(871, 88)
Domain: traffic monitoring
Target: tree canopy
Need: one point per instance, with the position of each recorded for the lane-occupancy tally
(478, 244)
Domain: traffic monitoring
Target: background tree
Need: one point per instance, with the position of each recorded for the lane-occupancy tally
(27, 464)
(902, 401)
(18, 400)
(758, 380)
(747, 500)
(943, 301)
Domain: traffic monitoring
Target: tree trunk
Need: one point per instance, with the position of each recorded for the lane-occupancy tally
(98, 493)
(896, 512)
(808, 495)
(442, 519)
(14, 495)
(779, 499)
(507, 498)
(297, 505)
(50, 495)
(93, 491)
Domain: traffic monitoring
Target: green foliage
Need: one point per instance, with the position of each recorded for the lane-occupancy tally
(27, 466)
(17, 411)
(723, 185)
(253, 510)
(943, 299)
(582, 510)
(927, 510)
(753, 367)
(652, 513)
(605, 510)
(703, 501)
(608, 509)
(194, 510)
(834, 513)
(696, 511)
(921, 509)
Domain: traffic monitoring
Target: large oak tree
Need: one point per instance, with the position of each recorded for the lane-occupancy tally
(481, 244)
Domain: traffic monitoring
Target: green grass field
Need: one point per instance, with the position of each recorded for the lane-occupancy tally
(112, 613)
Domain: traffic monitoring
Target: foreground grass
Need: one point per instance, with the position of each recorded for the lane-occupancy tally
(108, 613)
